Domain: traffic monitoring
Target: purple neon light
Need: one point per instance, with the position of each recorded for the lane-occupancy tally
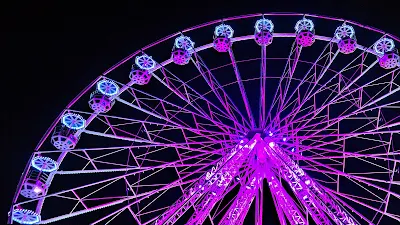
(321, 203)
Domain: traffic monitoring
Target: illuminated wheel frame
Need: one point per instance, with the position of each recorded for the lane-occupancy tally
(322, 136)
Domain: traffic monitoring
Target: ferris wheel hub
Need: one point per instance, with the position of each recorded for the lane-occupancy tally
(253, 132)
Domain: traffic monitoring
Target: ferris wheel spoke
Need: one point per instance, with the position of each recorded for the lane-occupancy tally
(311, 108)
(352, 177)
(361, 87)
(113, 216)
(331, 58)
(343, 154)
(343, 158)
(310, 132)
(359, 153)
(242, 89)
(284, 204)
(278, 93)
(77, 213)
(148, 142)
(185, 147)
(150, 128)
(208, 116)
(356, 175)
(309, 93)
(379, 93)
(263, 80)
(380, 129)
(360, 202)
(117, 137)
(344, 136)
(350, 65)
(187, 88)
(184, 161)
(224, 98)
(289, 75)
(308, 75)
(171, 114)
(353, 81)
(138, 196)
(284, 87)
(149, 133)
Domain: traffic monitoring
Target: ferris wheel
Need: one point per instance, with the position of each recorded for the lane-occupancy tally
(296, 106)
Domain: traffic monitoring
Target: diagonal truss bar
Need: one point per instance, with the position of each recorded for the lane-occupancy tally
(241, 205)
(285, 202)
(225, 177)
(182, 96)
(290, 72)
(151, 111)
(338, 96)
(277, 97)
(216, 88)
(361, 109)
(159, 116)
(203, 185)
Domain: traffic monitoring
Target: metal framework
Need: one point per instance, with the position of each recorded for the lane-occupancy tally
(202, 136)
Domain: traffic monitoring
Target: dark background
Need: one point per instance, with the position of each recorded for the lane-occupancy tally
(51, 53)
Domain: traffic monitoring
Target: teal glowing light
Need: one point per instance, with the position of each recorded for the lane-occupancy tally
(145, 62)
(25, 216)
(73, 121)
(184, 42)
(223, 30)
(44, 164)
(107, 87)
(264, 24)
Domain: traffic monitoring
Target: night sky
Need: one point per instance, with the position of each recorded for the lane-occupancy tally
(51, 55)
